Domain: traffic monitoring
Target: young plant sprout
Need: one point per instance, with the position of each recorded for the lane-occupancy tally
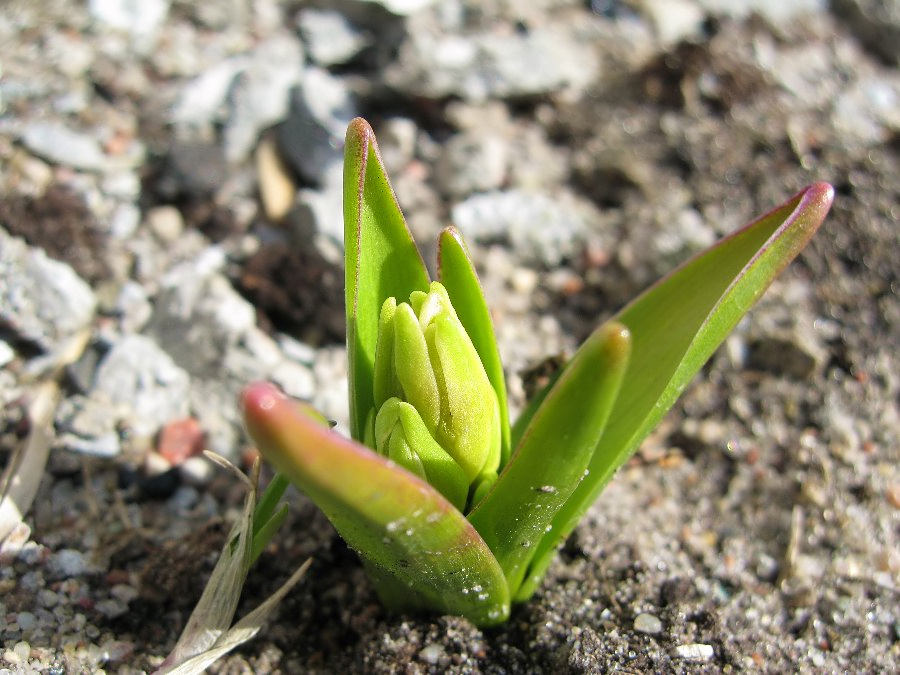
(451, 509)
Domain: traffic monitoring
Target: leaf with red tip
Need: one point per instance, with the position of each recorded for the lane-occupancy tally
(550, 460)
(429, 554)
(676, 325)
(382, 261)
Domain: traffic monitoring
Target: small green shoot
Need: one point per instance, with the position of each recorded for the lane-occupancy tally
(452, 509)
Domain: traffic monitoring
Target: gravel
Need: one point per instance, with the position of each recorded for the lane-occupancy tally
(584, 149)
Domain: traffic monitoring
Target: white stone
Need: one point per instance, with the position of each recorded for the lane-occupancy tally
(402, 7)
(647, 623)
(694, 652)
(61, 145)
(674, 20)
(140, 19)
(329, 38)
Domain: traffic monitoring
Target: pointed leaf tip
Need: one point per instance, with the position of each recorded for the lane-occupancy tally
(359, 138)
(259, 396)
(381, 260)
(820, 194)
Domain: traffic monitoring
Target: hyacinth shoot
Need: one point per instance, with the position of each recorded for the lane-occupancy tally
(436, 413)
(451, 508)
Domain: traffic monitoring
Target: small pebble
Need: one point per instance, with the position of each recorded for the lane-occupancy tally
(276, 186)
(647, 623)
(26, 620)
(431, 654)
(23, 651)
(196, 471)
(111, 608)
(6, 353)
(68, 563)
(165, 222)
(184, 499)
(523, 280)
(694, 652)
(59, 144)
(181, 439)
(115, 651)
(124, 592)
(48, 598)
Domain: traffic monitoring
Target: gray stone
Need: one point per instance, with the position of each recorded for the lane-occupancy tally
(432, 654)
(137, 373)
(7, 353)
(875, 22)
(329, 37)
(89, 426)
(311, 137)
(549, 58)
(211, 332)
(123, 184)
(261, 93)
(215, 404)
(472, 162)
(26, 620)
(202, 100)
(199, 316)
(792, 356)
(124, 220)
(330, 371)
(42, 301)
(67, 563)
(321, 212)
(673, 231)
(61, 145)
(540, 229)
(868, 113)
(192, 170)
(397, 142)
(775, 11)
(111, 608)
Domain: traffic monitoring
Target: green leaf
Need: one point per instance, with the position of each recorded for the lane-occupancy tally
(550, 461)
(457, 273)
(271, 496)
(676, 325)
(423, 550)
(382, 261)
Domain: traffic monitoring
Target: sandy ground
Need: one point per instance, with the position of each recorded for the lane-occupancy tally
(757, 528)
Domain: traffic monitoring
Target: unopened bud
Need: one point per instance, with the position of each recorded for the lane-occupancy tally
(425, 358)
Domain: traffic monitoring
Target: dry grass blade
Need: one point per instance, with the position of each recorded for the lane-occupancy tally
(243, 630)
(23, 475)
(215, 610)
(20, 481)
(207, 636)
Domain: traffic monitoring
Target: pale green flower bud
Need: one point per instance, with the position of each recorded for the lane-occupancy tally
(400, 434)
(424, 357)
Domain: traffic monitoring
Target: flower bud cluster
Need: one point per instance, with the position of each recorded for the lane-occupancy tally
(436, 413)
